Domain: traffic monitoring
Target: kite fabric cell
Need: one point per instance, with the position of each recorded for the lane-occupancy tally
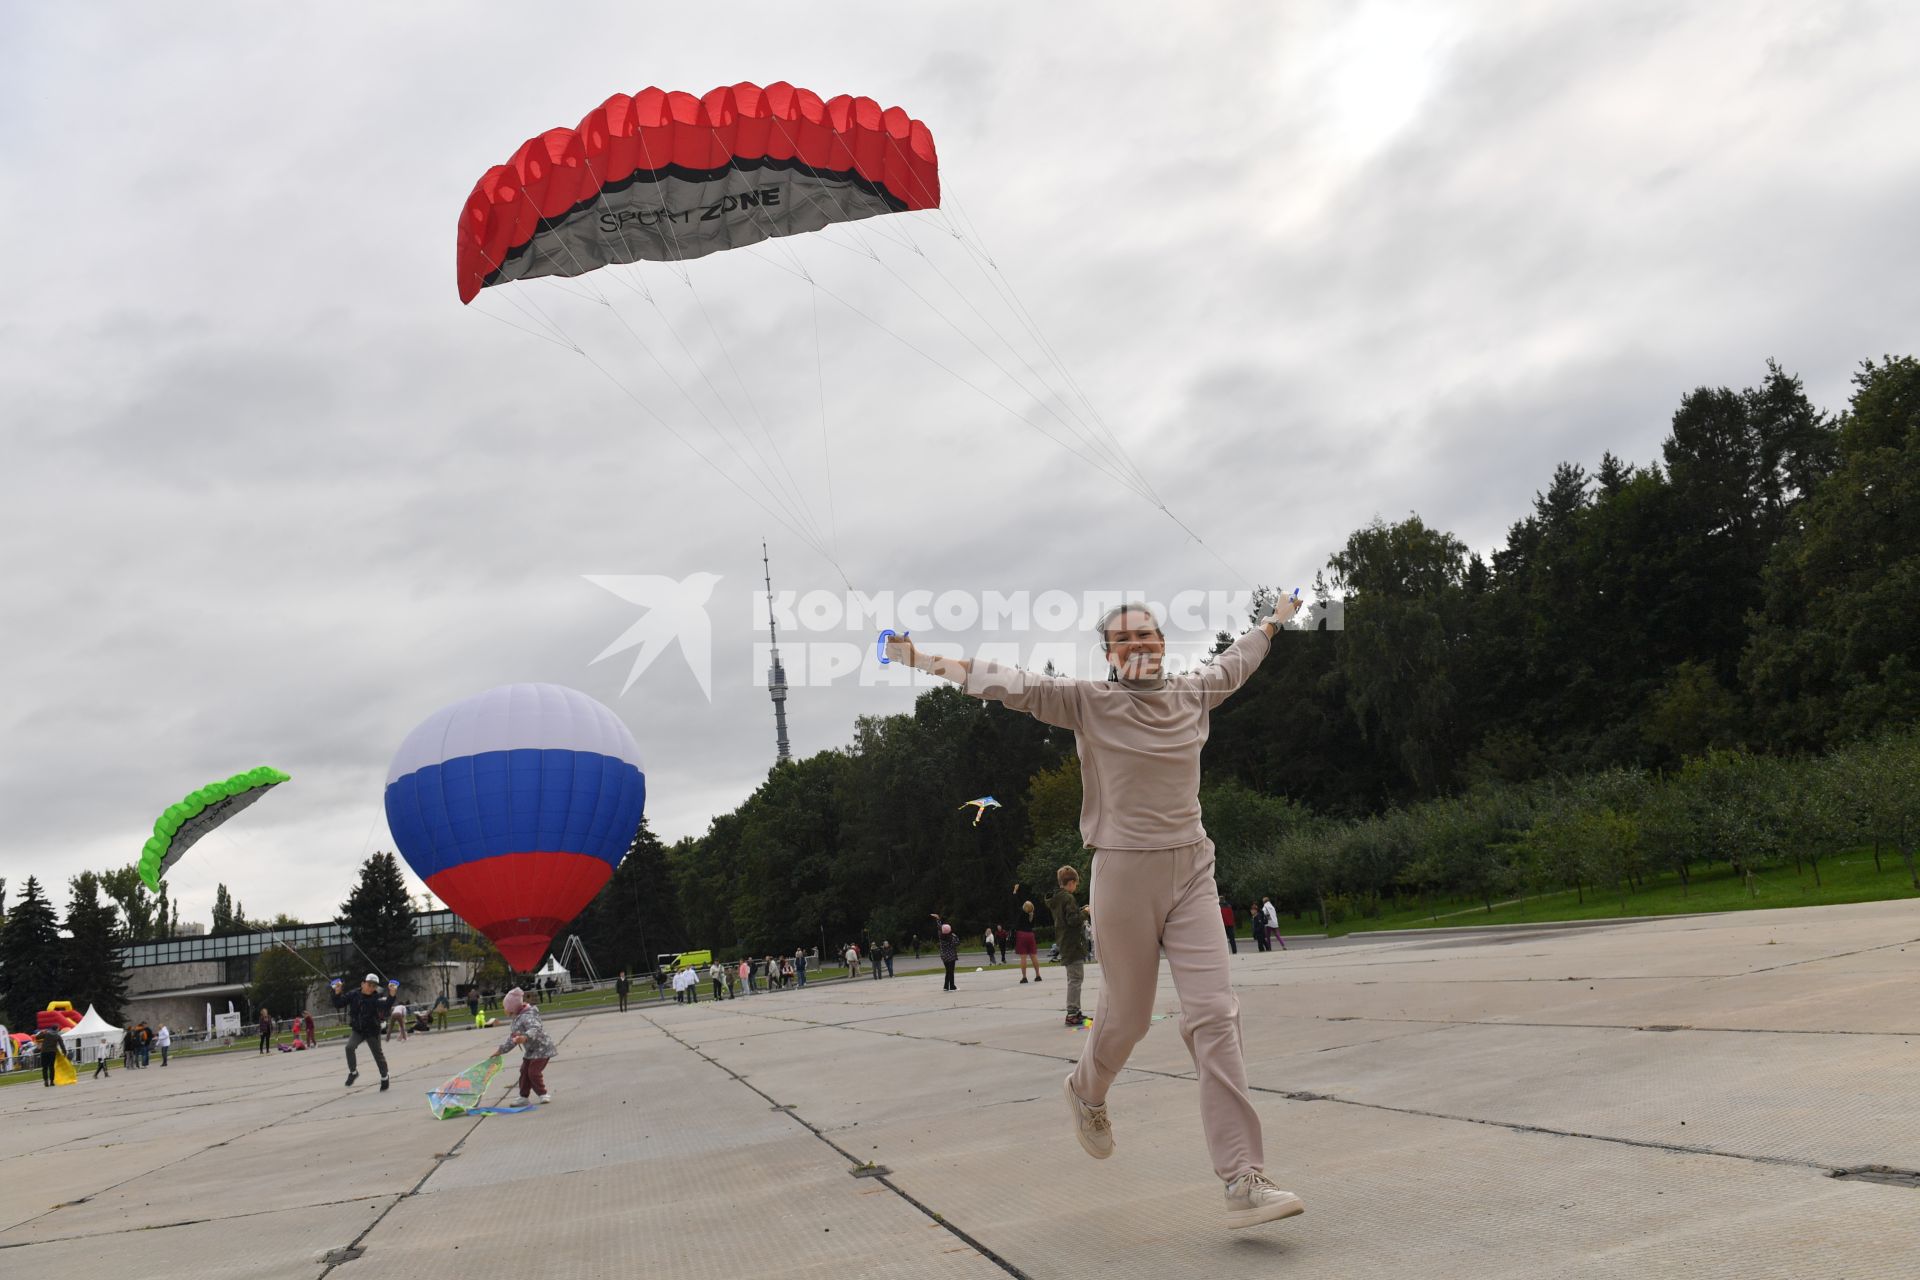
(981, 806)
(464, 1092)
(515, 806)
(176, 829)
(665, 176)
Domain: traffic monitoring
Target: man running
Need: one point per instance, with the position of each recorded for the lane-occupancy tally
(1139, 737)
(366, 1018)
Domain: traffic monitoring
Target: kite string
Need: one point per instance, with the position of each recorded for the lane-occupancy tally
(584, 272)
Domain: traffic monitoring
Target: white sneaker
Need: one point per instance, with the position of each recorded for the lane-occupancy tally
(1253, 1199)
(546, 1097)
(1090, 1124)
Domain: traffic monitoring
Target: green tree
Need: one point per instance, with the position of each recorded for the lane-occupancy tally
(1691, 713)
(283, 982)
(635, 916)
(31, 957)
(379, 915)
(143, 914)
(91, 970)
(1834, 652)
(1403, 621)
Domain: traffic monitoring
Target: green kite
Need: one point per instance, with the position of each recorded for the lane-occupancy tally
(175, 830)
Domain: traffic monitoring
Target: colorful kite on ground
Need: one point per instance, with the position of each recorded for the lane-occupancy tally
(176, 829)
(462, 1095)
(981, 806)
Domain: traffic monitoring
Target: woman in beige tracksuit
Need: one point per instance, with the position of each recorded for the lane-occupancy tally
(1139, 737)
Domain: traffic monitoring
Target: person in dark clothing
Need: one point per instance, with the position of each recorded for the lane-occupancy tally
(886, 953)
(949, 953)
(367, 1011)
(48, 1044)
(143, 1037)
(1000, 935)
(620, 988)
(1226, 917)
(1259, 927)
(473, 1005)
(266, 1030)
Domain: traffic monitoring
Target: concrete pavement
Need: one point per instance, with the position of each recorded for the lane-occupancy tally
(1657, 1098)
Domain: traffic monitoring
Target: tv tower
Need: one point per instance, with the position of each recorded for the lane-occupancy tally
(776, 674)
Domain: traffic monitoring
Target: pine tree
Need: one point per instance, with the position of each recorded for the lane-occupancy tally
(92, 973)
(222, 910)
(29, 958)
(379, 915)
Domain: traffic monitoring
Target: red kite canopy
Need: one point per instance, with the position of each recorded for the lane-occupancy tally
(665, 177)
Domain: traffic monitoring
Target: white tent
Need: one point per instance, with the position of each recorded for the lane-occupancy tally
(92, 1038)
(552, 974)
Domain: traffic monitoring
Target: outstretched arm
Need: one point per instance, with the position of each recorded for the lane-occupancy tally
(1237, 662)
(1051, 700)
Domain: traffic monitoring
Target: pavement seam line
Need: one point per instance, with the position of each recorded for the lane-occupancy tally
(1515, 1126)
(938, 1219)
(1308, 1096)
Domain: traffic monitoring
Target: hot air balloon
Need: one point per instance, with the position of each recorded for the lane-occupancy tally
(515, 806)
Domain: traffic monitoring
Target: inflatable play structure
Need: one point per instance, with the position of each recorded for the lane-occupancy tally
(57, 1016)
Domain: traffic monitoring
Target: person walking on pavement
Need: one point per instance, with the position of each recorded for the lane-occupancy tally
(621, 986)
(800, 965)
(718, 979)
(1226, 917)
(1139, 734)
(886, 953)
(1258, 924)
(1026, 937)
(165, 1041)
(1273, 923)
(366, 1019)
(266, 1029)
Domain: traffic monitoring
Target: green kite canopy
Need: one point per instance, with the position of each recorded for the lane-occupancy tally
(176, 829)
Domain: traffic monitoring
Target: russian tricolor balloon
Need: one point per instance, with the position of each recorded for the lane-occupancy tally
(515, 806)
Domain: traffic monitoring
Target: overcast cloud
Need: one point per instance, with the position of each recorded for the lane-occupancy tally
(271, 495)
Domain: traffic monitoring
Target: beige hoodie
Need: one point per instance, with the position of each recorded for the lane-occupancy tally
(1139, 742)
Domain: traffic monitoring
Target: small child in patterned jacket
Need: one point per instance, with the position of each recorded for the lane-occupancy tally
(536, 1047)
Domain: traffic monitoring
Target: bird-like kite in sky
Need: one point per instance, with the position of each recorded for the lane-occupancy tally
(981, 806)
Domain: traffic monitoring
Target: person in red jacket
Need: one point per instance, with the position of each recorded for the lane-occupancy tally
(1226, 918)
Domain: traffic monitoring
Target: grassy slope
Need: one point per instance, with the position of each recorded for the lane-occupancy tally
(1847, 878)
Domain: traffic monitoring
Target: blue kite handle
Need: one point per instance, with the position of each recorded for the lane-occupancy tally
(880, 645)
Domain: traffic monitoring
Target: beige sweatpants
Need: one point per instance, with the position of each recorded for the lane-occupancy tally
(1146, 901)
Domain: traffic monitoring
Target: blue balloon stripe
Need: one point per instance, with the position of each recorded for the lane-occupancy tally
(520, 801)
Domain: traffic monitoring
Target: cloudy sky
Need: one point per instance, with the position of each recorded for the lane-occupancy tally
(271, 495)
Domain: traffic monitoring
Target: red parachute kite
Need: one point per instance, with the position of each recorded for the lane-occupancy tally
(665, 177)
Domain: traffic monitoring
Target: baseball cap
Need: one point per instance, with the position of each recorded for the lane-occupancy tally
(372, 977)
